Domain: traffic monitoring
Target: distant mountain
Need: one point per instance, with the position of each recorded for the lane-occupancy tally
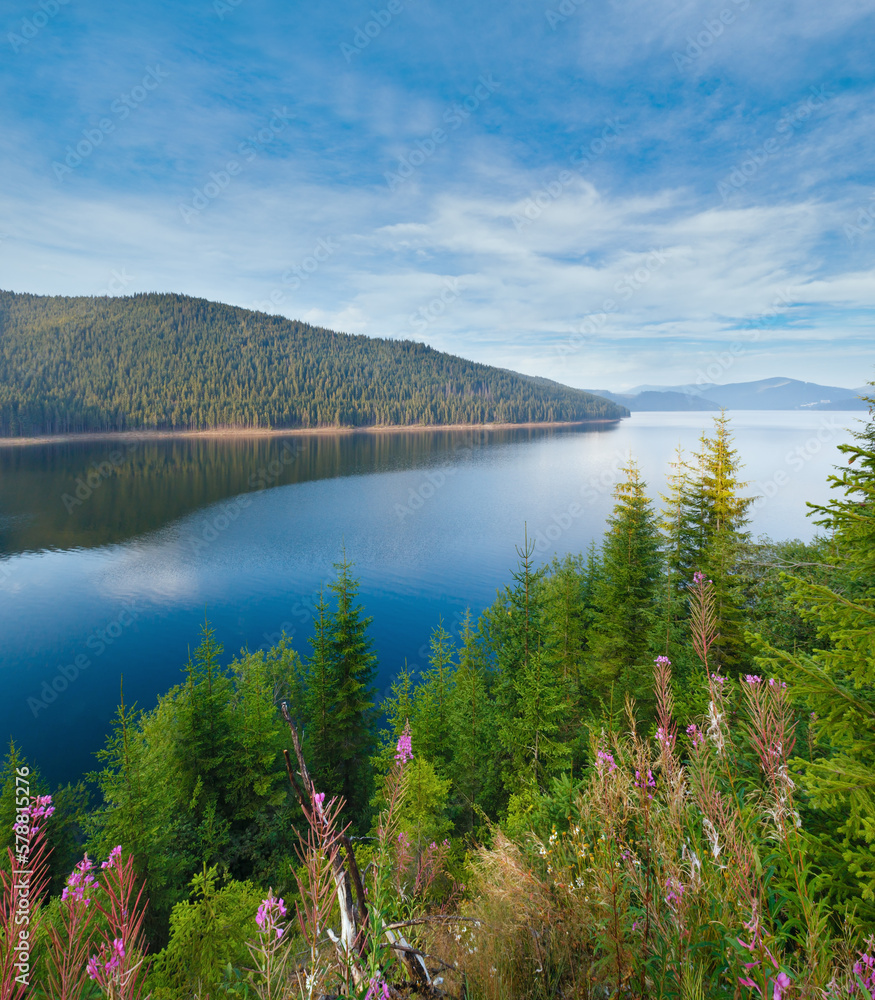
(656, 400)
(765, 394)
(175, 362)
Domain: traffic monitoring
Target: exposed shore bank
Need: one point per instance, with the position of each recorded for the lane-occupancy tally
(264, 432)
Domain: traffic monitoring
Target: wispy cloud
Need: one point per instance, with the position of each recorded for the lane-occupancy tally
(604, 194)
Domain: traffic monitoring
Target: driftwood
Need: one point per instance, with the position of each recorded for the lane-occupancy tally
(353, 919)
(351, 944)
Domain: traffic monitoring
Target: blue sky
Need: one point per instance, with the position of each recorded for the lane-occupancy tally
(607, 194)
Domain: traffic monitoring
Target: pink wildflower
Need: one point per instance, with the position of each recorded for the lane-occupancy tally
(663, 660)
(42, 806)
(664, 737)
(378, 989)
(80, 883)
(864, 969)
(267, 917)
(605, 760)
(114, 856)
(674, 891)
(650, 781)
(782, 981)
(404, 749)
(718, 679)
(752, 679)
(696, 735)
(99, 970)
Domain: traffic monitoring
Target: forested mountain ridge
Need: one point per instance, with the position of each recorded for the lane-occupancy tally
(165, 361)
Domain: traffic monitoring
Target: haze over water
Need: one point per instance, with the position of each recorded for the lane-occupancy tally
(244, 531)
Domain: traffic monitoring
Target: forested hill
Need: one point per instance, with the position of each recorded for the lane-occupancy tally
(159, 361)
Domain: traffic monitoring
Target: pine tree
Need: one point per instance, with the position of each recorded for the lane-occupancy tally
(623, 634)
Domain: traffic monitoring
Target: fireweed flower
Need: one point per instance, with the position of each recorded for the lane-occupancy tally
(605, 760)
(114, 857)
(404, 749)
(378, 989)
(781, 983)
(80, 883)
(665, 738)
(752, 679)
(674, 891)
(100, 970)
(696, 735)
(864, 969)
(42, 806)
(268, 915)
(319, 803)
(649, 782)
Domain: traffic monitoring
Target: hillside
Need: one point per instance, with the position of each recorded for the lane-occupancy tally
(163, 361)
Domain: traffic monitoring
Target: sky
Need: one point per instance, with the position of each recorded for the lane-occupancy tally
(603, 193)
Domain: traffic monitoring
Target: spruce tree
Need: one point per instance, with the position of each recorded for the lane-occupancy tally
(354, 668)
(623, 634)
(529, 689)
(472, 731)
(837, 680)
(320, 700)
(704, 520)
(431, 718)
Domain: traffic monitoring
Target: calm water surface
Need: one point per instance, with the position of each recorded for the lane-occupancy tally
(112, 554)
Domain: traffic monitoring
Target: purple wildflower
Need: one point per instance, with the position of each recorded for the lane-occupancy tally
(674, 890)
(99, 970)
(114, 857)
(404, 749)
(42, 806)
(378, 989)
(80, 883)
(663, 660)
(752, 679)
(665, 738)
(696, 735)
(605, 760)
(649, 782)
(782, 981)
(267, 917)
(718, 679)
(864, 969)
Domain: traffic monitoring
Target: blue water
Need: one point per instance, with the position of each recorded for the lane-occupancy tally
(117, 579)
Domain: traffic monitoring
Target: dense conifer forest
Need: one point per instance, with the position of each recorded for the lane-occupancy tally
(171, 362)
(647, 770)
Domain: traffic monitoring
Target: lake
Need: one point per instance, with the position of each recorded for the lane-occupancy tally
(112, 554)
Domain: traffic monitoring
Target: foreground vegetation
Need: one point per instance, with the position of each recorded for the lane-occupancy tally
(647, 771)
(155, 362)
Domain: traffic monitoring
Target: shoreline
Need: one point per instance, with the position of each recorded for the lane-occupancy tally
(259, 432)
